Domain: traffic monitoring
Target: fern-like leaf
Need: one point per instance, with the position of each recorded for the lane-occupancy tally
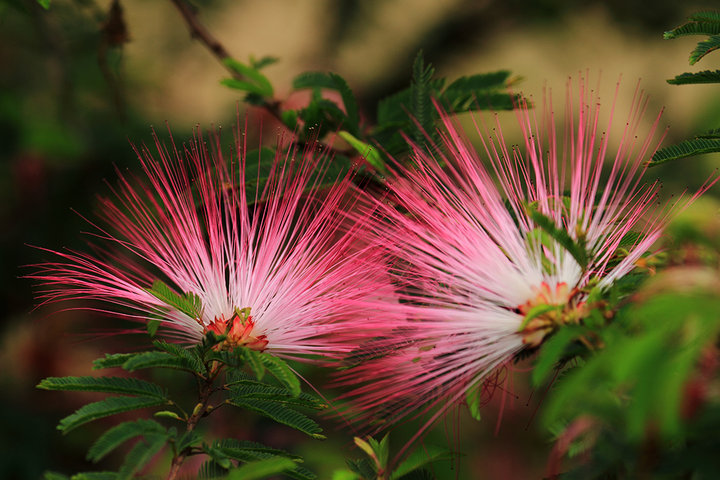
(143, 451)
(113, 360)
(686, 148)
(707, 16)
(261, 469)
(280, 370)
(188, 303)
(240, 449)
(421, 98)
(560, 235)
(706, 76)
(281, 414)
(703, 48)
(122, 385)
(714, 133)
(693, 28)
(257, 390)
(105, 408)
(159, 359)
(188, 355)
(95, 476)
(120, 434)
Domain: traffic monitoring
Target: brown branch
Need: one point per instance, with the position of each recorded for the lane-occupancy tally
(203, 35)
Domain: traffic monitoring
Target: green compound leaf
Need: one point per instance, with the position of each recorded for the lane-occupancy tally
(120, 434)
(368, 152)
(706, 76)
(188, 355)
(703, 48)
(280, 370)
(693, 28)
(159, 359)
(113, 360)
(143, 451)
(350, 103)
(281, 414)
(122, 385)
(313, 80)
(188, 303)
(686, 148)
(552, 352)
(252, 357)
(257, 390)
(258, 83)
(105, 408)
(246, 451)
(95, 476)
(419, 458)
(421, 91)
(561, 236)
(261, 469)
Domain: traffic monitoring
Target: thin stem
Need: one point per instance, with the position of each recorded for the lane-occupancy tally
(203, 35)
(200, 410)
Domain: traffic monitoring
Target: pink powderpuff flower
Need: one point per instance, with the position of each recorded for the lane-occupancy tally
(280, 269)
(472, 261)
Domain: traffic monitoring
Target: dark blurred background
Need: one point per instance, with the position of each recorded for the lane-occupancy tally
(78, 85)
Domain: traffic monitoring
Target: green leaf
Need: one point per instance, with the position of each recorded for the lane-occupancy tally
(189, 355)
(122, 385)
(159, 359)
(686, 148)
(703, 48)
(280, 370)
(714, 133)
(421, 91)
(707, 16)
(54, 476)
(243, 86)
(368, 152)
(188, 303)
(112, 360)
(472, 399)
(482, 81)
(261, 469)
(152, 326)
(253, 358)
(257, 390)
(693, 28)
(419, 458)
(186, 440)
(313, 80)
(281, 414)
(350, 103)
(105, 408)
(261, 85)
(263, 62)
(560, 235)
(95, 476)
(345, 475)
(143, 451)
(120, 434)
(168, 414)
(381, 449)
(44, 3)
(551, 353)
(245, 450)
(706, 76)
(537, 311)
(484, 91)
(217, 456)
